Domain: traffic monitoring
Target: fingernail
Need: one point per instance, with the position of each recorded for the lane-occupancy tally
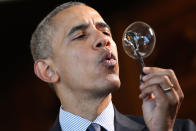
(142, 86)
(144, 78)
(140, 96)
(146, 69)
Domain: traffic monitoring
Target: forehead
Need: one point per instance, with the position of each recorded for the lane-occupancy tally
(77, 14)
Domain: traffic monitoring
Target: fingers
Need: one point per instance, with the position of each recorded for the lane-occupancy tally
(165, 77)
(162, 80)
(157, 79)
(167, 104)
(158, 105)
(155, 72)
(155, 92)
(153, 89)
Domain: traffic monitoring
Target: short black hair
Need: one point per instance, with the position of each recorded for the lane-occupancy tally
(40, 44)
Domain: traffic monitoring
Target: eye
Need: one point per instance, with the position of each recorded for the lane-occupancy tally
(79, 37)
(107, 33)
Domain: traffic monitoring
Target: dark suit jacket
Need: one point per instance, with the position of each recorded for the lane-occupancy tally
(135, 123)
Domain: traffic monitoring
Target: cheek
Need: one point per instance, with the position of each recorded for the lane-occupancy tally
(75, 64)
(114, 48)
(74, 61)
(79, 69)
(113, 44)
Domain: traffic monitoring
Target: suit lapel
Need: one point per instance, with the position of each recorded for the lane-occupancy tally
(124, 123)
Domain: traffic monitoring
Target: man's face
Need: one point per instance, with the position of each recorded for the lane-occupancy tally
(85, 55)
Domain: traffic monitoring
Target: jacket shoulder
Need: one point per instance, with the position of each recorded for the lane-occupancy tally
(180, 124)
(184, 125)
(137, 119)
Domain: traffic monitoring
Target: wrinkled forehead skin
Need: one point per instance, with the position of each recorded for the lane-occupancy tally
(73, 16)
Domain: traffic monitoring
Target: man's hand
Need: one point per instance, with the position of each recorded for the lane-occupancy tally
(160, 107)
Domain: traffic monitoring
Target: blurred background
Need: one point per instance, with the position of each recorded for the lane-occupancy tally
(27, 103)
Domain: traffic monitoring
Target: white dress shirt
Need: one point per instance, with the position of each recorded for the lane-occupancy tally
(72, 122)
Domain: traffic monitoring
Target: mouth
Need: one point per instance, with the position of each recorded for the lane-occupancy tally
(109, 59)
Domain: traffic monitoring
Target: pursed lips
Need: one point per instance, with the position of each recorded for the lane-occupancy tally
(109, 59)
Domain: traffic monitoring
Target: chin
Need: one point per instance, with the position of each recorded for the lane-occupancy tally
(106, 85)
(113, 81)
(105, 88)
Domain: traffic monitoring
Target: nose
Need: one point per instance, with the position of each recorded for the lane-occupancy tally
(102, 41)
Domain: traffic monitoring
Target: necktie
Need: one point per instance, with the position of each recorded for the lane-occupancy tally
(95, 127)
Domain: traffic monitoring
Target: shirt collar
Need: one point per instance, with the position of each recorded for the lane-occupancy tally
(71, 122)
(106, 118)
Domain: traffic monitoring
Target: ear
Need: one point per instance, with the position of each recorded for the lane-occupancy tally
(44, 71)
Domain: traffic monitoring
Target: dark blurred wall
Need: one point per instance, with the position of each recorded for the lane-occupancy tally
(29, 104)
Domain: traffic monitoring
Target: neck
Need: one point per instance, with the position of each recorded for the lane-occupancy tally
(83, 106)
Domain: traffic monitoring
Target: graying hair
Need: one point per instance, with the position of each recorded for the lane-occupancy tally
(40, 44)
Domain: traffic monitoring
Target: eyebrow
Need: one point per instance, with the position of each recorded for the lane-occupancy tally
(84, 26)
(103, 25)
(76, 28)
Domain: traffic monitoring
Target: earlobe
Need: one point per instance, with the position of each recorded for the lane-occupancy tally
(43, 71)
